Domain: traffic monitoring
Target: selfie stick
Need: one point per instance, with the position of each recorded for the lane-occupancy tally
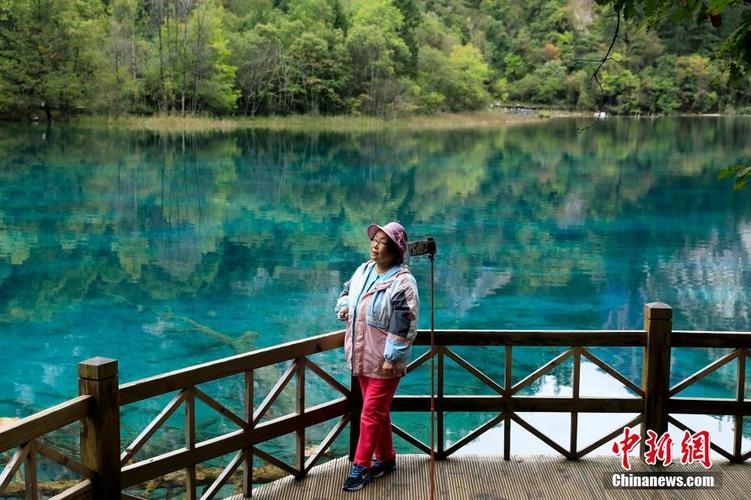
(420, 248)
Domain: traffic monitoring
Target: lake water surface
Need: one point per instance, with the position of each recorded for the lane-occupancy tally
(167, 251)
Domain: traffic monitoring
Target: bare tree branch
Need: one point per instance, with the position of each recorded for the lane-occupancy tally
(595, 77)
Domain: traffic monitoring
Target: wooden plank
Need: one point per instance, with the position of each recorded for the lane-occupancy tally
(152, 427)
(566, 338)
(63, 460)
(541, 371)
(158, 466)
(707, 370)
(43, 422)
(709, 406)
(684, 338)
(223, 477)
(473, 434)
(82, 490)
(474, 371)
(213, 370)
(521, 404)
(274, 392)
(528, 477)
(326, 377)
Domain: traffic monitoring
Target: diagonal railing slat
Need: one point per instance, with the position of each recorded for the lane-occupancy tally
(64, 460)
(612, 372)
(474, 371)
(274, 392)
(13, 465)
(330, 437)
(707, 370)
(326, 377)
(152, 427)
(473, 434)
(596, 444)
(542, 370)
(220, 408)
(223, 477)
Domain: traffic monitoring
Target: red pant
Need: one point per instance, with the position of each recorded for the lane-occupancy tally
(375, 420)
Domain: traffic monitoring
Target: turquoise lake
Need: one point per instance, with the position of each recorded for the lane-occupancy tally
(164, 251)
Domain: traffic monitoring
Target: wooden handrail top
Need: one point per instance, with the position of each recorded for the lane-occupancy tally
(568, 338)
(693, 338)
(43, 422)
(212, 370)
(232, 365)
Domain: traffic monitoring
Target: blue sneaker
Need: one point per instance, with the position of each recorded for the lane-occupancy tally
(359, 476)
(381, 467)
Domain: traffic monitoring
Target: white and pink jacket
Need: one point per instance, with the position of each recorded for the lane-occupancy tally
(384, 323)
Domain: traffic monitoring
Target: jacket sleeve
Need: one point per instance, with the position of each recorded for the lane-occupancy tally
(403, 322)
(343, 297)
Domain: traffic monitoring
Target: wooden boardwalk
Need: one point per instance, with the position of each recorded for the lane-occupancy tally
(490, 478)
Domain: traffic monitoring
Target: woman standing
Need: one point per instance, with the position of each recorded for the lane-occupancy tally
(380, 305)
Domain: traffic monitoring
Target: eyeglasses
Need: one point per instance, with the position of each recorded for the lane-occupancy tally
(383, 242)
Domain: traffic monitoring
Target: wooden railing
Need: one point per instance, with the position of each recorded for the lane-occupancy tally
(106, 468)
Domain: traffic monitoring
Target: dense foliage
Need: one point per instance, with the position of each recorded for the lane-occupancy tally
(248, 57)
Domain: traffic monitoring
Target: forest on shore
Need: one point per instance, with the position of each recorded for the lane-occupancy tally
(372, 57)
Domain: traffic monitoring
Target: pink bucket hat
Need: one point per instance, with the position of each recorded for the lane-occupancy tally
(395, 232)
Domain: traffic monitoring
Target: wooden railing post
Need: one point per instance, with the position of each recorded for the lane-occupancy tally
(248, 452)
(355, 409)
(440, 455)
(656, 370)
(100, 429)
(300, 404)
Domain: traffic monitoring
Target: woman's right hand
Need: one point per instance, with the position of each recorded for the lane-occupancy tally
(343, 313)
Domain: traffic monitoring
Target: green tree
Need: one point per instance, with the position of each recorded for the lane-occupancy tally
(193, 71)
(375, 46)
(49, 55)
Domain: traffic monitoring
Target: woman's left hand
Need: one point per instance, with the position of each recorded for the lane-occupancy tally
(388, 368)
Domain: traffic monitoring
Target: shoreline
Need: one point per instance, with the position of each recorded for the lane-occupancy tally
(337, 123)
(489, 119)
